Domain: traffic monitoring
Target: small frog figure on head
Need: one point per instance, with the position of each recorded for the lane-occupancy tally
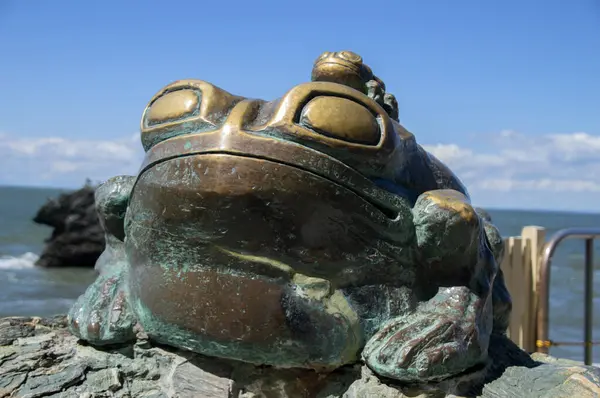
(347, 68)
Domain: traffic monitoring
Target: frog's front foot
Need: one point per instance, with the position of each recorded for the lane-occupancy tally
(448, 333)
(438, 341)
(102, 314)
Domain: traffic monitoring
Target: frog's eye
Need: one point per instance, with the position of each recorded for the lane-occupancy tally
(351, 57)
(342, 119)
(326, 54)
(185, 107)
(168, 112)
(173, 106)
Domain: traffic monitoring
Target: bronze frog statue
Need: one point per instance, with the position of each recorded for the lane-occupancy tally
(311, 231)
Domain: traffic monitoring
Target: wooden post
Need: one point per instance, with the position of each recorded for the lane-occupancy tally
(520, 267)
(536, 238)
(512, 266)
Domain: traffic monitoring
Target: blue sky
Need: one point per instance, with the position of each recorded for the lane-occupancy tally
(506, 92)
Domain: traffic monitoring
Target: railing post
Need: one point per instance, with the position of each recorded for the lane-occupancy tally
(534, 238)
(589, 299)
(543, 299)
(517, 288)
(543, 341)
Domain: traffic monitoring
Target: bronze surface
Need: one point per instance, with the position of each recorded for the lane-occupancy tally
(295, 233)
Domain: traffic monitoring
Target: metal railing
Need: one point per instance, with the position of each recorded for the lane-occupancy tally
(542, 341)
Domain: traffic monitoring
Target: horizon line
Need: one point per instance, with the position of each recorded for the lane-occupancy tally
(487, 208)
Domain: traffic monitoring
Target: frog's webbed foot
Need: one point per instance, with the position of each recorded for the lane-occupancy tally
(102, 314)
(449, 333)
(439, 340)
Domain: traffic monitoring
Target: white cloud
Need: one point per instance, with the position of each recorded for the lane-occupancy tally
(552, 171)
(512, 161)
(509, 170)
(66, 162)
(543, 184)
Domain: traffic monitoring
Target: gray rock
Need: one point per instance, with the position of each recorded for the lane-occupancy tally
(77, 238)
(40, 358)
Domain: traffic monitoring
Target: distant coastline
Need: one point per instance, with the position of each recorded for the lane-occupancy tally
(60, 190)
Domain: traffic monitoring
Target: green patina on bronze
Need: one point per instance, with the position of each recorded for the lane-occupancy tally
(307, 232)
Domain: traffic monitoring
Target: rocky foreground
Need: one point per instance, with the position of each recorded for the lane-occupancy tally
(40, 358)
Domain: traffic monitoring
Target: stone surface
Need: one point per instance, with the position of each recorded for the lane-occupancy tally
(77, 238)
(40, 358)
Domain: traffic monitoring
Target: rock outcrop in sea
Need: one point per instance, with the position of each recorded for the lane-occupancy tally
(77, 238)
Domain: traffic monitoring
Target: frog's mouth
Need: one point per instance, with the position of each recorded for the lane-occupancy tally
(327, 168)
(249, 205)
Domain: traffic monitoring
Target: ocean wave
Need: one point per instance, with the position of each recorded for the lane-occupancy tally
(26, 260)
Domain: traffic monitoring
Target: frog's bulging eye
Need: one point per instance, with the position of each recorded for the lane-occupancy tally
(185, 107)
(173, 106)
(326, 54)
(350, 56)
(342, 119)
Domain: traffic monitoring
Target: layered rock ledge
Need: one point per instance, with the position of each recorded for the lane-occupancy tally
(40, 358)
